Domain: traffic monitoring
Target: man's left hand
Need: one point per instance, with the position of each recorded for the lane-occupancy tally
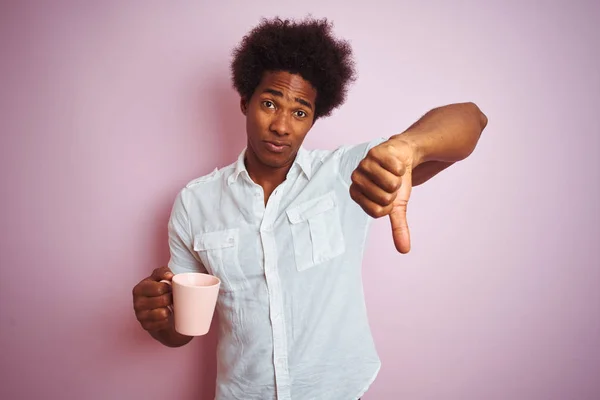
(381, 185)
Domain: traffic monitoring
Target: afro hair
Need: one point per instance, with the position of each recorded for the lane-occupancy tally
(307, 48)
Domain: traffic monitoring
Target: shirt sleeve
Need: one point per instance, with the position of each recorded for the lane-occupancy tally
(181, 243)
(351, 156)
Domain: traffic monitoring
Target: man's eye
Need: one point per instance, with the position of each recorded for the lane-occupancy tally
(268, 104)
(301, 114)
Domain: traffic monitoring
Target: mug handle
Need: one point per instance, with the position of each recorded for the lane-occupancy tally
(170, 284)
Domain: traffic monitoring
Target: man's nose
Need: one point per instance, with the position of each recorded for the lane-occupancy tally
(280, 124)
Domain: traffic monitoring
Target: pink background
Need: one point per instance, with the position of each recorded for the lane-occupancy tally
(108, 109)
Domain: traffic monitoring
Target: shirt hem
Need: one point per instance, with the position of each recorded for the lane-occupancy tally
(366, 388)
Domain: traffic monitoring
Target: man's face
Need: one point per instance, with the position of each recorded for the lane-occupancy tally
(278, 116)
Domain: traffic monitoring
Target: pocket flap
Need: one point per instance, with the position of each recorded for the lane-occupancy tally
(311, 208)
(215, 240)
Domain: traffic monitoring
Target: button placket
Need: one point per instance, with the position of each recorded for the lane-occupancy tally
(282, 380)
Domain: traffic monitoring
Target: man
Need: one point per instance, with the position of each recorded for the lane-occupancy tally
(284, 228)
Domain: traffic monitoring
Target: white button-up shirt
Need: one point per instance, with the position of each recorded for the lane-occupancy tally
(293, 321)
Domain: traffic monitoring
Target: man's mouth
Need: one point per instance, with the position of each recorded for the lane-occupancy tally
(275, 146)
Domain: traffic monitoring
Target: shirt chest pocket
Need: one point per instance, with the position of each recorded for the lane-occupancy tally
(316, 231)
(218, 251)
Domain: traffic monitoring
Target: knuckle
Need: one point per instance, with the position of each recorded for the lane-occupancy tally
(160, 290)
(162, 313)
(389, 198)
(393, 185)
(165, 301)
(379, 211)
(397, 166)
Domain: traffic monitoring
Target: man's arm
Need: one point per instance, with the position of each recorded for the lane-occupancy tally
(383, 180)
(442, 137)
(152, 299)
(427, 170)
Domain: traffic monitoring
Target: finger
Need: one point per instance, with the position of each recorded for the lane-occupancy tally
(379, 175)
(389, 159)
(150, 288)
(371, 190)
(150, 303)
(158, 314)
(161, 273)
(400, 230)
(370, 207)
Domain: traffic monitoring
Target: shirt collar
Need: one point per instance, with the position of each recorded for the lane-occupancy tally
(302, 161)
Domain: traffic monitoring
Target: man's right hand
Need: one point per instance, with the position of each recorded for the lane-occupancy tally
(152, 299)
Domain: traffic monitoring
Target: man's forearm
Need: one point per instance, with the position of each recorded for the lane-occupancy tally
(446, 134)
(170, 337)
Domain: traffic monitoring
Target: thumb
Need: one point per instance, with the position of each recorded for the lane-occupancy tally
(400, 231)
(162, 273)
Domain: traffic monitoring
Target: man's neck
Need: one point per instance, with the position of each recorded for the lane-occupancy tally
(267, 177)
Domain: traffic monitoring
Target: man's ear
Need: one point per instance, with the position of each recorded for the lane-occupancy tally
(244, 105)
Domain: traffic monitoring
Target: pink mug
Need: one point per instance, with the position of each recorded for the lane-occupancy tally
(194, 300)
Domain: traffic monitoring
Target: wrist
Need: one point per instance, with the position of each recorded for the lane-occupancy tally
(412, 142)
